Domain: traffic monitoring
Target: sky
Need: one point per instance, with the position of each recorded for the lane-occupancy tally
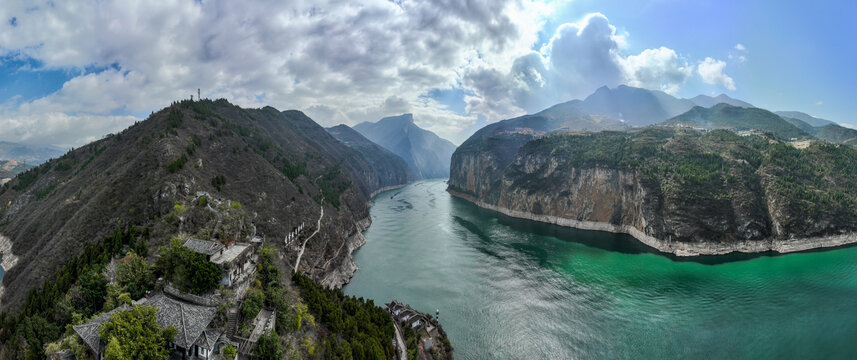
(73, 71)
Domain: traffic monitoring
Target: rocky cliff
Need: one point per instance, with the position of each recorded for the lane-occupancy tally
(679, 191)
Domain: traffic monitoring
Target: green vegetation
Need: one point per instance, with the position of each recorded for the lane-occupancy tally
(719, 168)
(177, 164)
(292, 170)
(186, 269)
(229, 351)
(174, 121)
(738, 118)
(351, 322)
(253, 302)
(218, 182)
(134, 274)
(411, 340)
(332, 184)
(838, 134)
(25, 179)
(77, 291)
(134, 334)
(268, 347)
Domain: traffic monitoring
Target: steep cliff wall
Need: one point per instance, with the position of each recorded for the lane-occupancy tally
(683, 193)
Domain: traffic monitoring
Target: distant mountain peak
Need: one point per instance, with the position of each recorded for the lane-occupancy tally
(426, 153)
(708, 101)
(406, 118)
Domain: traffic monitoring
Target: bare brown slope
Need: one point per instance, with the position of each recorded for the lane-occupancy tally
(49, 213)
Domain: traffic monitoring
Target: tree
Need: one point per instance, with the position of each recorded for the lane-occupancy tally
(188, 270)
(137, 333)
(230, 351)
(134, 274)
(253, 302)
(113, 351)
(93, 289)
(268, 347)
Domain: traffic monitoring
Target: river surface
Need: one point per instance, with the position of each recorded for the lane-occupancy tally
(516, 289)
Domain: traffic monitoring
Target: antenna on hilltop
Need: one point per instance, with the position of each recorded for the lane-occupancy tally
(198, 96)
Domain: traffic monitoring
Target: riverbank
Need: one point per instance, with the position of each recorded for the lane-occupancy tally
(677, 248)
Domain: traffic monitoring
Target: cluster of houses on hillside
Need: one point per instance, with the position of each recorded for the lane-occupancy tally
(192, 316)
(424, 327)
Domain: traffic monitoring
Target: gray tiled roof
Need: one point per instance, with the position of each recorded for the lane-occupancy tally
(208, 339)
(203, 246)
(89, 331)
(190, 320)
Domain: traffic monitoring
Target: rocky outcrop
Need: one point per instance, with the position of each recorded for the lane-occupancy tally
(344, 267)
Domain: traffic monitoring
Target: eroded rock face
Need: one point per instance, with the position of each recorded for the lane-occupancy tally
(746, 212)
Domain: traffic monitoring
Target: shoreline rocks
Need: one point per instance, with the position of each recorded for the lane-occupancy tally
(682, 249)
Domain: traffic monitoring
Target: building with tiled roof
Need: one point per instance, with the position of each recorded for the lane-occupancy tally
(194, 338)
(208, 248)
(234, 258)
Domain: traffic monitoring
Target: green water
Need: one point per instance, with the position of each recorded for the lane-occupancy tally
(515, 289)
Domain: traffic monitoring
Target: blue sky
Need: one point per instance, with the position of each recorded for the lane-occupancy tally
(73, 71)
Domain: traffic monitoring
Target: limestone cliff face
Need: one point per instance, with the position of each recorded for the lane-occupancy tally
(743, 209)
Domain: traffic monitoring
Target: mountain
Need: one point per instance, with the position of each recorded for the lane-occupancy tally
(807, 128)
(708, 101)
(738, 118)
(635, 106)
(837, 134)
(678, 190)
(204, 169)
(393, 169)
(28, 154)
(493, 147)
(426, 153)
(809, 119)
(11, 168)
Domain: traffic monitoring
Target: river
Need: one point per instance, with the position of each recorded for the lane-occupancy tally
(516, 289)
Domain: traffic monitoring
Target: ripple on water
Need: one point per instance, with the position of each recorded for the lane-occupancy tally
(512, 289)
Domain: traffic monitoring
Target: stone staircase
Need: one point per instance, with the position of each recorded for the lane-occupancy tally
(231, 322)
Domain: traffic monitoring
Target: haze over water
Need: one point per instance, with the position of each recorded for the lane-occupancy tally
(515, 289)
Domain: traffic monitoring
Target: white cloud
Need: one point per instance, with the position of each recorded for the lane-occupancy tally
(660, 69)
(711, 72)
(350, 57)
(340, 62)
(579, 58)
(850, 126)
(740, 47)
(819, 103)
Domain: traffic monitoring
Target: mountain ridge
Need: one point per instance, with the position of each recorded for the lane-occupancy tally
(279, 167)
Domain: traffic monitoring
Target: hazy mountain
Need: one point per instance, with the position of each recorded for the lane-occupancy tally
(28, 154)
(809, 119)
(392, 168)
(11, 168)
(809, 129)
(635, 106)
(708, 101)
(837, 134)
(426, 154)
(277, 167)
(722, 116)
